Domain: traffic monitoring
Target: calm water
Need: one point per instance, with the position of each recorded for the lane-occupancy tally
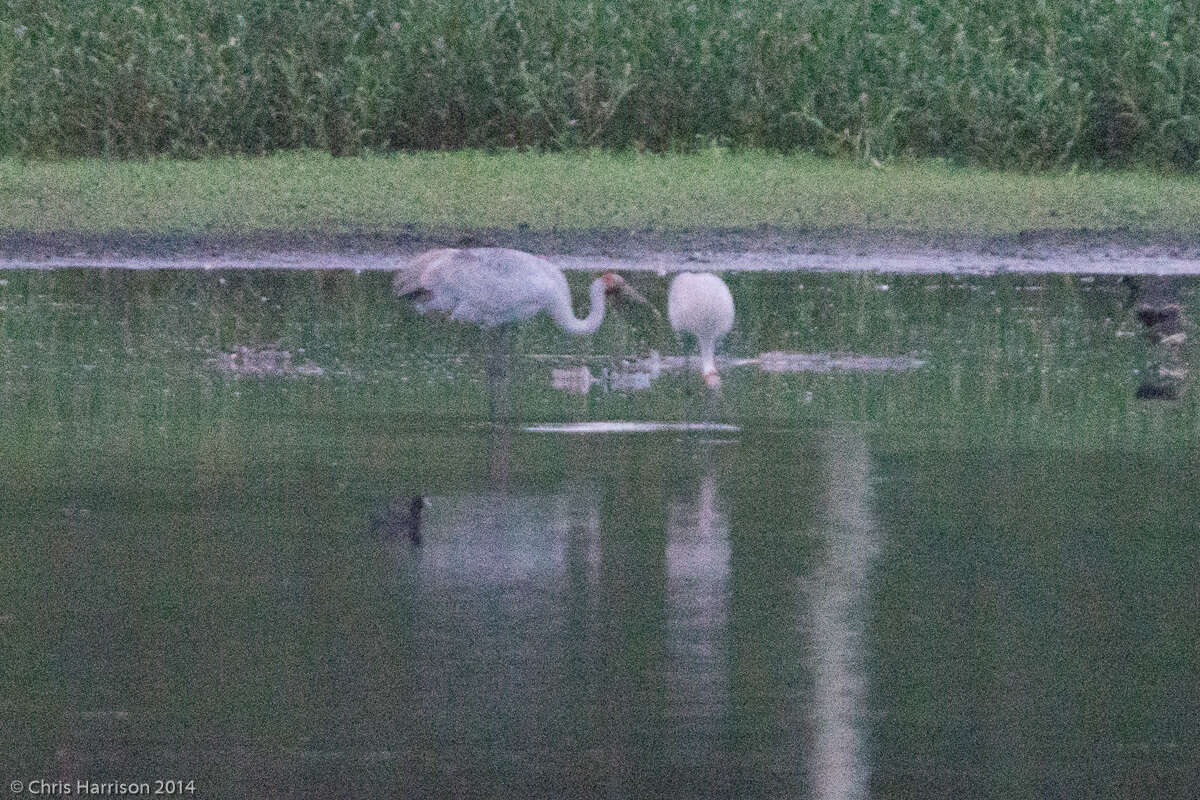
(943, 543)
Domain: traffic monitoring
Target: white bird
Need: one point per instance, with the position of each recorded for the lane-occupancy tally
(490, 286)
(699, 303)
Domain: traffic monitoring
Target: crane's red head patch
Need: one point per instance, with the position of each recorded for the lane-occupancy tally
(614, 284)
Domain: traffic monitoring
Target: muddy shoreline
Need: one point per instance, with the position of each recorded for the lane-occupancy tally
(766, 248)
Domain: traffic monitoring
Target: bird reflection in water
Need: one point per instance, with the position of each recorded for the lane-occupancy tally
(697, 572)
(402, 517)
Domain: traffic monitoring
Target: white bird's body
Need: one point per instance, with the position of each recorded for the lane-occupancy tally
(699, 303)
(490, 286)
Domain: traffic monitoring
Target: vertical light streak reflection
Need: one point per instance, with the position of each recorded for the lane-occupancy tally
(837, 605)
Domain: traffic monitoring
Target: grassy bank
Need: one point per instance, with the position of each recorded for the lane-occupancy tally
(1009, 84)
(592, 191)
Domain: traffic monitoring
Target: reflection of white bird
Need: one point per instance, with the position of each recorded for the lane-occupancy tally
(494, 285)
(699, 303)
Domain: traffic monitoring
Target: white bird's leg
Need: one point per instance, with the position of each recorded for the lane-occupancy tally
(499, 452)
(708, 362)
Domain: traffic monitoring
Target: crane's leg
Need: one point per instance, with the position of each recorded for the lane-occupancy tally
(499, 373)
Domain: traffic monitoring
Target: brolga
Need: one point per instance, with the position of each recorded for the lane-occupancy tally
(699, 303)
(490, 286)
(495, 286)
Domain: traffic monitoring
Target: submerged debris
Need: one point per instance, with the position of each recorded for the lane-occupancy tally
(630, 426)
(633, 375)
(628, 376)
(573, 380)
(635, 381)
(263, 362)
(779, 361)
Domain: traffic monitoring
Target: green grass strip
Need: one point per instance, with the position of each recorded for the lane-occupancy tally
(580, 191)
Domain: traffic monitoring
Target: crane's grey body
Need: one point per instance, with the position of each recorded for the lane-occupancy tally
(490, 286)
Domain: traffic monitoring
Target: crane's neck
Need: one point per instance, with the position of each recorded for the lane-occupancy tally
(565, 317)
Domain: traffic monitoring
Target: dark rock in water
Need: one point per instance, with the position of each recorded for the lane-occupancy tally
(401, 517)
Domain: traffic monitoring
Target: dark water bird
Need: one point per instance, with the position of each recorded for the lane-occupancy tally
(1167, 371)
(401, 517)
(699, 303)
(490, 286)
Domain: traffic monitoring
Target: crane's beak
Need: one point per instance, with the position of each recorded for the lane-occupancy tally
(618, 287)
(633, 294)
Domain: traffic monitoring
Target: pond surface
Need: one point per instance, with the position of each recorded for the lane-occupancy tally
(936, 536)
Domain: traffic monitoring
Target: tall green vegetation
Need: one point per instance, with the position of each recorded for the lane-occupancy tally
(1011, 84)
